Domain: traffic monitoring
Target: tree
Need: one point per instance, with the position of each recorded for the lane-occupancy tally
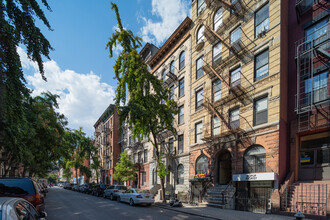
(83, 149)
(124, 169)
(149, 109)
(17, 27)
(52, 178)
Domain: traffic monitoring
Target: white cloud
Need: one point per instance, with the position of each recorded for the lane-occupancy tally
(171, 13)
(83, 97)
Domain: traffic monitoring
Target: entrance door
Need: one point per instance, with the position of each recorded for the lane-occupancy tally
(224, 168)
(314, 160)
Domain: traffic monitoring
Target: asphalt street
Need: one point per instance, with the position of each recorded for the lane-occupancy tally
(65, 204)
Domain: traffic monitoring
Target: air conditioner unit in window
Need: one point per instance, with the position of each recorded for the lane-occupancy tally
(262, 33)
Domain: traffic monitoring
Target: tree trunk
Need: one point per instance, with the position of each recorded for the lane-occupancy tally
(77, 177)
(163, 190)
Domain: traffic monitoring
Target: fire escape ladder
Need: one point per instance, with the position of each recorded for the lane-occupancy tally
(327, 116)
(210, 106)
(209, 69)
(211, 35)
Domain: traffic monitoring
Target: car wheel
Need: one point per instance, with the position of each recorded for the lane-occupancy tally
(104, 196)
(148, 204)
(131, 202)
(118, 199)
(111, 197)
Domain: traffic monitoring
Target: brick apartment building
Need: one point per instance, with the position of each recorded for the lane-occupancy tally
(107, 141)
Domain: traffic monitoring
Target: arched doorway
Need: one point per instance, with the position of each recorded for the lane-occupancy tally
(224, 167)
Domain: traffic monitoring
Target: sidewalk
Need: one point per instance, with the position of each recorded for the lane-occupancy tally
(223, 214)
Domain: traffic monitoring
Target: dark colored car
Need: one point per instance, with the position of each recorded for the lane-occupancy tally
(98, 189)
(89, 188)
(24, 188)
(17, 208)
(68, 186)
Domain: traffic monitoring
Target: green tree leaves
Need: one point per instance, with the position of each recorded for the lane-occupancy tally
(124, 169)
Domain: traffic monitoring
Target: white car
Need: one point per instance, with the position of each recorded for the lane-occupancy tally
(137, 196)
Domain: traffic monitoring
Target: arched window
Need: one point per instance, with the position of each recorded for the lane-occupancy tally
(202, 164)
(217, 19)
(164, 75)
(172, 67)
(180, 176)
(200, 34)
(255, 159)
(181, 60)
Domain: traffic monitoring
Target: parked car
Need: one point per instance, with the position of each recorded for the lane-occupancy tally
(83, 187)
(88, 189)
(113, 191)
(17, 209)
(75, 187)
(24, 188)
(68, 186)
(98, 189)
(137, 196)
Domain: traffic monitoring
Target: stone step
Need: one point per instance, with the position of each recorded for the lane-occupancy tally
(216, 205)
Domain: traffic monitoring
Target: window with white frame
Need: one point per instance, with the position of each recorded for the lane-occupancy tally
(198, 131)
(144, 178)
(164, 75)
(261, 20)
(180, 174)
(202, 164)
(217, 19)
(216, 88)
(316, 88)
(181, 114)
(199, 67)
(234, 118)
(200, 35)
(261, 65)
(235, 35)
(217, 53)
(216, 126)
(172, 92)
(199, 99)
(260, 111)
(145, 152)
(200, 6)
(235, 77)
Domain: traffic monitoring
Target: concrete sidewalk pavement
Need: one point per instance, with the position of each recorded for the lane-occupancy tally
(223, 214)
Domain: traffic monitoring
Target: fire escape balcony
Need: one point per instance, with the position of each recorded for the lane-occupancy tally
(303, 6)
(237, 7)
(171, 78)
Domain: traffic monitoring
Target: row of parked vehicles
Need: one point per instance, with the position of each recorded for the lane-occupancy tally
(22, 198)
(115, 192)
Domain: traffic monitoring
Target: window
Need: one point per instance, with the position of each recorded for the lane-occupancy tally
(199, 67)
(216, 126)
(200, 35)
(316, 89)
(255, 159)
(135, 158)
(170, 145)
(172, 92)
(260, 111)
(172, 67)
(261, 65)
(199, 99)
(181, 60)
(200, 6)
(162, 147)
(181, 114)
(140, 157)
(261, 20)
(154, 177)
(216, 88)
(234, 118)
(198, 131)
(181, 87)
(202, 164)
(217, 19)
(235, 35)
(180, 143)
(317, 31)
(180, 179)
(145, 156)
(217, 53)
(144, 178)
(164, 75)
(235, 77)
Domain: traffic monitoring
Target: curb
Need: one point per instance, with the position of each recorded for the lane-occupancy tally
(185, 212)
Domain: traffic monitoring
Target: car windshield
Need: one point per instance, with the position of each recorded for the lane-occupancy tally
(16, 187)
(142, 191)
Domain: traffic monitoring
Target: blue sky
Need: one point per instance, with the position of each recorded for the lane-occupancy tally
(80, 70)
